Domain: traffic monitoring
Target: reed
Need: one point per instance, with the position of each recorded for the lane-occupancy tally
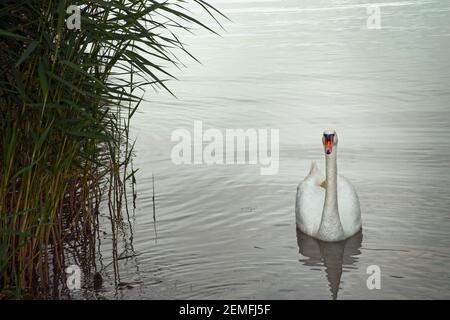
(66, 100)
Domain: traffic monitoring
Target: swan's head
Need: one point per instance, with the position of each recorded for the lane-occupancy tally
(329, 140)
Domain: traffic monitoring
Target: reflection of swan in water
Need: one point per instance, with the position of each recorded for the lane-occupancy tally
(334, 256)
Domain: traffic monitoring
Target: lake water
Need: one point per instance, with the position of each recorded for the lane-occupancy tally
(227, 232)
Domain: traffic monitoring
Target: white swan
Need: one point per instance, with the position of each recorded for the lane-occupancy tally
(327, 208)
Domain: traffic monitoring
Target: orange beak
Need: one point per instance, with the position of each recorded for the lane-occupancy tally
(328, 146)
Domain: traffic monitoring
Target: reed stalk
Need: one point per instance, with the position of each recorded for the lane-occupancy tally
(66, 100)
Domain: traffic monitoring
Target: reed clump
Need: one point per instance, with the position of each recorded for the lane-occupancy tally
(66, 100)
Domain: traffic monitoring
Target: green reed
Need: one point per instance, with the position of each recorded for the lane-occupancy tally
(66, 100)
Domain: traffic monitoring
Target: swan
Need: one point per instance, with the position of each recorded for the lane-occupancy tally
(327, 208)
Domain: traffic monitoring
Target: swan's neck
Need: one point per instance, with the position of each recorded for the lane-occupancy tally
(331, 206)
(330, 226)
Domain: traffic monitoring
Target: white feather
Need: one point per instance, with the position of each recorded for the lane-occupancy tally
(310, 202)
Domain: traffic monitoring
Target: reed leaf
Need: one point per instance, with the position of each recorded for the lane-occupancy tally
(66, 100)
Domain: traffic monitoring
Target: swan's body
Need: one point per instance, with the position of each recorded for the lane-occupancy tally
(327, 207)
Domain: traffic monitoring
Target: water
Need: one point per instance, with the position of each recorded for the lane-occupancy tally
(226, 232)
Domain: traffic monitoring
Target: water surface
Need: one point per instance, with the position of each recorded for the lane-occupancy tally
(226, 232)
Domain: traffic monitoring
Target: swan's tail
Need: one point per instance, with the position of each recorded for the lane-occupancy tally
(314, 168)
(316, 173)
